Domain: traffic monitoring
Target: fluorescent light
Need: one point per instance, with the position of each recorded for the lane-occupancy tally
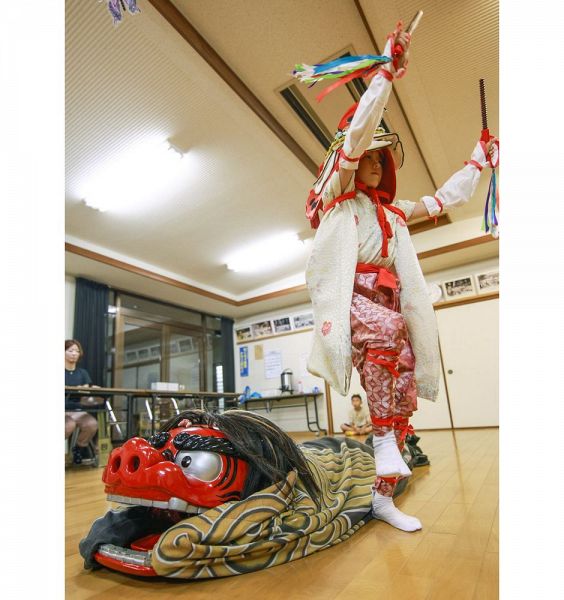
(267, 254)
(137, 177)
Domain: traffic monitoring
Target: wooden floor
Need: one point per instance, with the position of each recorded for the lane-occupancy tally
(454, 557)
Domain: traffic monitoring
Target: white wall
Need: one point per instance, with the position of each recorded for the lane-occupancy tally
(469, 335)
(447, 234)
(435, 415)
(294, 348)
(70, 287)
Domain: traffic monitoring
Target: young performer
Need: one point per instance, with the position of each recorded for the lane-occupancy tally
(370, 301)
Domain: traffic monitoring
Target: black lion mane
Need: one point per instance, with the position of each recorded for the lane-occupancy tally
(270, 452)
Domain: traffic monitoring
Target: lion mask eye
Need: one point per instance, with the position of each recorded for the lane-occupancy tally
(205, 466)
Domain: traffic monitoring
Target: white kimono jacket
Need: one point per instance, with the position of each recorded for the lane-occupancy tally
(338, 246)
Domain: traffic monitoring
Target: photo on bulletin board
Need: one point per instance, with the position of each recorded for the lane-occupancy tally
(243, 334)
(487, 282)
(282, 325)
(305, 320)
(261, 329)
(459, 288)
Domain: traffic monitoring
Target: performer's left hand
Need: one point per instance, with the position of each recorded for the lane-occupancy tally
(489, 145)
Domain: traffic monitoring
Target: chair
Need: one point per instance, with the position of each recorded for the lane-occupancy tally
(91, 446)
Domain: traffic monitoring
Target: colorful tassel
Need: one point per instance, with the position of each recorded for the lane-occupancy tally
(490, 222)
(117, 7)
(344, 69)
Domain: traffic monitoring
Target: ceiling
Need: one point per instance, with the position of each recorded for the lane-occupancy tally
(247, 175)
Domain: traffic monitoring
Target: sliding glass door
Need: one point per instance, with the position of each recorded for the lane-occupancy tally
(185, 364)
(141, 354)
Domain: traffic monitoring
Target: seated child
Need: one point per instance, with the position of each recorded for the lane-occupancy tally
(359, 419)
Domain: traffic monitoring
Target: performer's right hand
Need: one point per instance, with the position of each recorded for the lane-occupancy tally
(404, 40)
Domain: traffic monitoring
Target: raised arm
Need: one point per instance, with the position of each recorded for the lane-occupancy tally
(459, 188)
(370, 109)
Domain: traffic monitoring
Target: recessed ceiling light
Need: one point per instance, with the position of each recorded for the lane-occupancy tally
(266, 254)
(137, 177)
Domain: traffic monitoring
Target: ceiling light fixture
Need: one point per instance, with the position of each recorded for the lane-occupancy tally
(138, 177)
(266, 254)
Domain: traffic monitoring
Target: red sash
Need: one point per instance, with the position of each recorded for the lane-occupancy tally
(385, 278)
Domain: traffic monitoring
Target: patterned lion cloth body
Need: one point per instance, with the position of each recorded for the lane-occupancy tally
(278, 524)
(273, 526)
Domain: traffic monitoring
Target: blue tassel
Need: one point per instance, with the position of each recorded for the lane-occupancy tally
(485, 224)
(490, 221)
(343, 60)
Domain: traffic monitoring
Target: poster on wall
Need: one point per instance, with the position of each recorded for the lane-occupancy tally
(272, 364)
(244, 334)
(282, 325)
(487, 282)
(261, 329)
(244, 361)
(459, 288)
(301, 321)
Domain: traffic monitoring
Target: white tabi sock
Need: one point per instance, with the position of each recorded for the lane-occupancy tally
(389, 462)
(383, 509)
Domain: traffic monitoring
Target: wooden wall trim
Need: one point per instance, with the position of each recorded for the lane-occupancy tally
(269, 337)
(279, 293)
(428, 224)
(203, 48)
(484, 239)
(119, 264)
(469, 300)
(270, 295)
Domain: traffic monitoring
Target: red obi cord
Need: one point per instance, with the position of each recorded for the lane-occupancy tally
(440, 205)
(398, 422)
(402, 424)
(343, 155)
(386, 74)
(389, 480)
(474, 164)
(338, 199)
(372, 355)
(385, 278)
(376, 196)
(387, 422)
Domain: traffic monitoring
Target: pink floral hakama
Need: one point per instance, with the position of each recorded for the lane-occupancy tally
(383, 357)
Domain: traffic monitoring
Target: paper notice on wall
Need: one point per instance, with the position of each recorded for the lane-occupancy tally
(272, 364)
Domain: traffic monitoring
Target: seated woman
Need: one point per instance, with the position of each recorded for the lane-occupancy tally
(74, 416)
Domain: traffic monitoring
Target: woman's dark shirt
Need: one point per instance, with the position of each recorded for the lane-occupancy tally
(76, 377)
